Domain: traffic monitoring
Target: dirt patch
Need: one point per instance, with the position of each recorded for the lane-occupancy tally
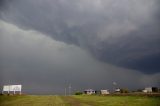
(73, 101)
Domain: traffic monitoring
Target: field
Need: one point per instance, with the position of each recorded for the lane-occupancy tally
(83, 100)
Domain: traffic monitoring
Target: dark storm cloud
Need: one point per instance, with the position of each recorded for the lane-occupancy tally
(43, 65)
(123, 33)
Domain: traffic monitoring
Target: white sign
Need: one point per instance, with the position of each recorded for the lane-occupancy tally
(12, 87)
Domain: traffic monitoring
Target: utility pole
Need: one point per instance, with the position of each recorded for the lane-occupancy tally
(65, 91)
(69, 89)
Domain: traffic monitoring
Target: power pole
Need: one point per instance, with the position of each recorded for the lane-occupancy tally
(69, 89)
(65, 91)
(114, 86)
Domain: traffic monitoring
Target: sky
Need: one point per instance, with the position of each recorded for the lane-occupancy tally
(47, 45)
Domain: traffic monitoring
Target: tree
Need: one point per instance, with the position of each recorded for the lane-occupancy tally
(78, 93)
(124, 90)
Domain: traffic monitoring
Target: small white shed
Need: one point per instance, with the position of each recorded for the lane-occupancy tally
(104, 92)
(117, 90)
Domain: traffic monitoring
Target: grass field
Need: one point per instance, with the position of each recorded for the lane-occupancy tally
(83, 100)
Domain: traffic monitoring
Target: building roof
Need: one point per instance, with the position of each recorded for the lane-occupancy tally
(89, 90)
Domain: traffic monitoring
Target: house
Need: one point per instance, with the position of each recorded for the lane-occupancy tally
(89, 91)
(150, 89)
(147, 90)
(104, 92)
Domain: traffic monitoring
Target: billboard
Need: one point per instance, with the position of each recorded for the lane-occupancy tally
(12, 87)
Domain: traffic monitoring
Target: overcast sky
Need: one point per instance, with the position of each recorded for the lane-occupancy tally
(46, 45)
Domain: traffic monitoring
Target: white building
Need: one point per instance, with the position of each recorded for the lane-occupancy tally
(147, 90)
(117, 90)
(104, 92)
(89, 91)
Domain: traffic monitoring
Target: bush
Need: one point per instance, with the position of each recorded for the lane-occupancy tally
(124, 91)
(78, 93)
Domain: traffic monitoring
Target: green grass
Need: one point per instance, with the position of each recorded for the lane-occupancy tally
(82, 100)
(31, 100)
(120, 100)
